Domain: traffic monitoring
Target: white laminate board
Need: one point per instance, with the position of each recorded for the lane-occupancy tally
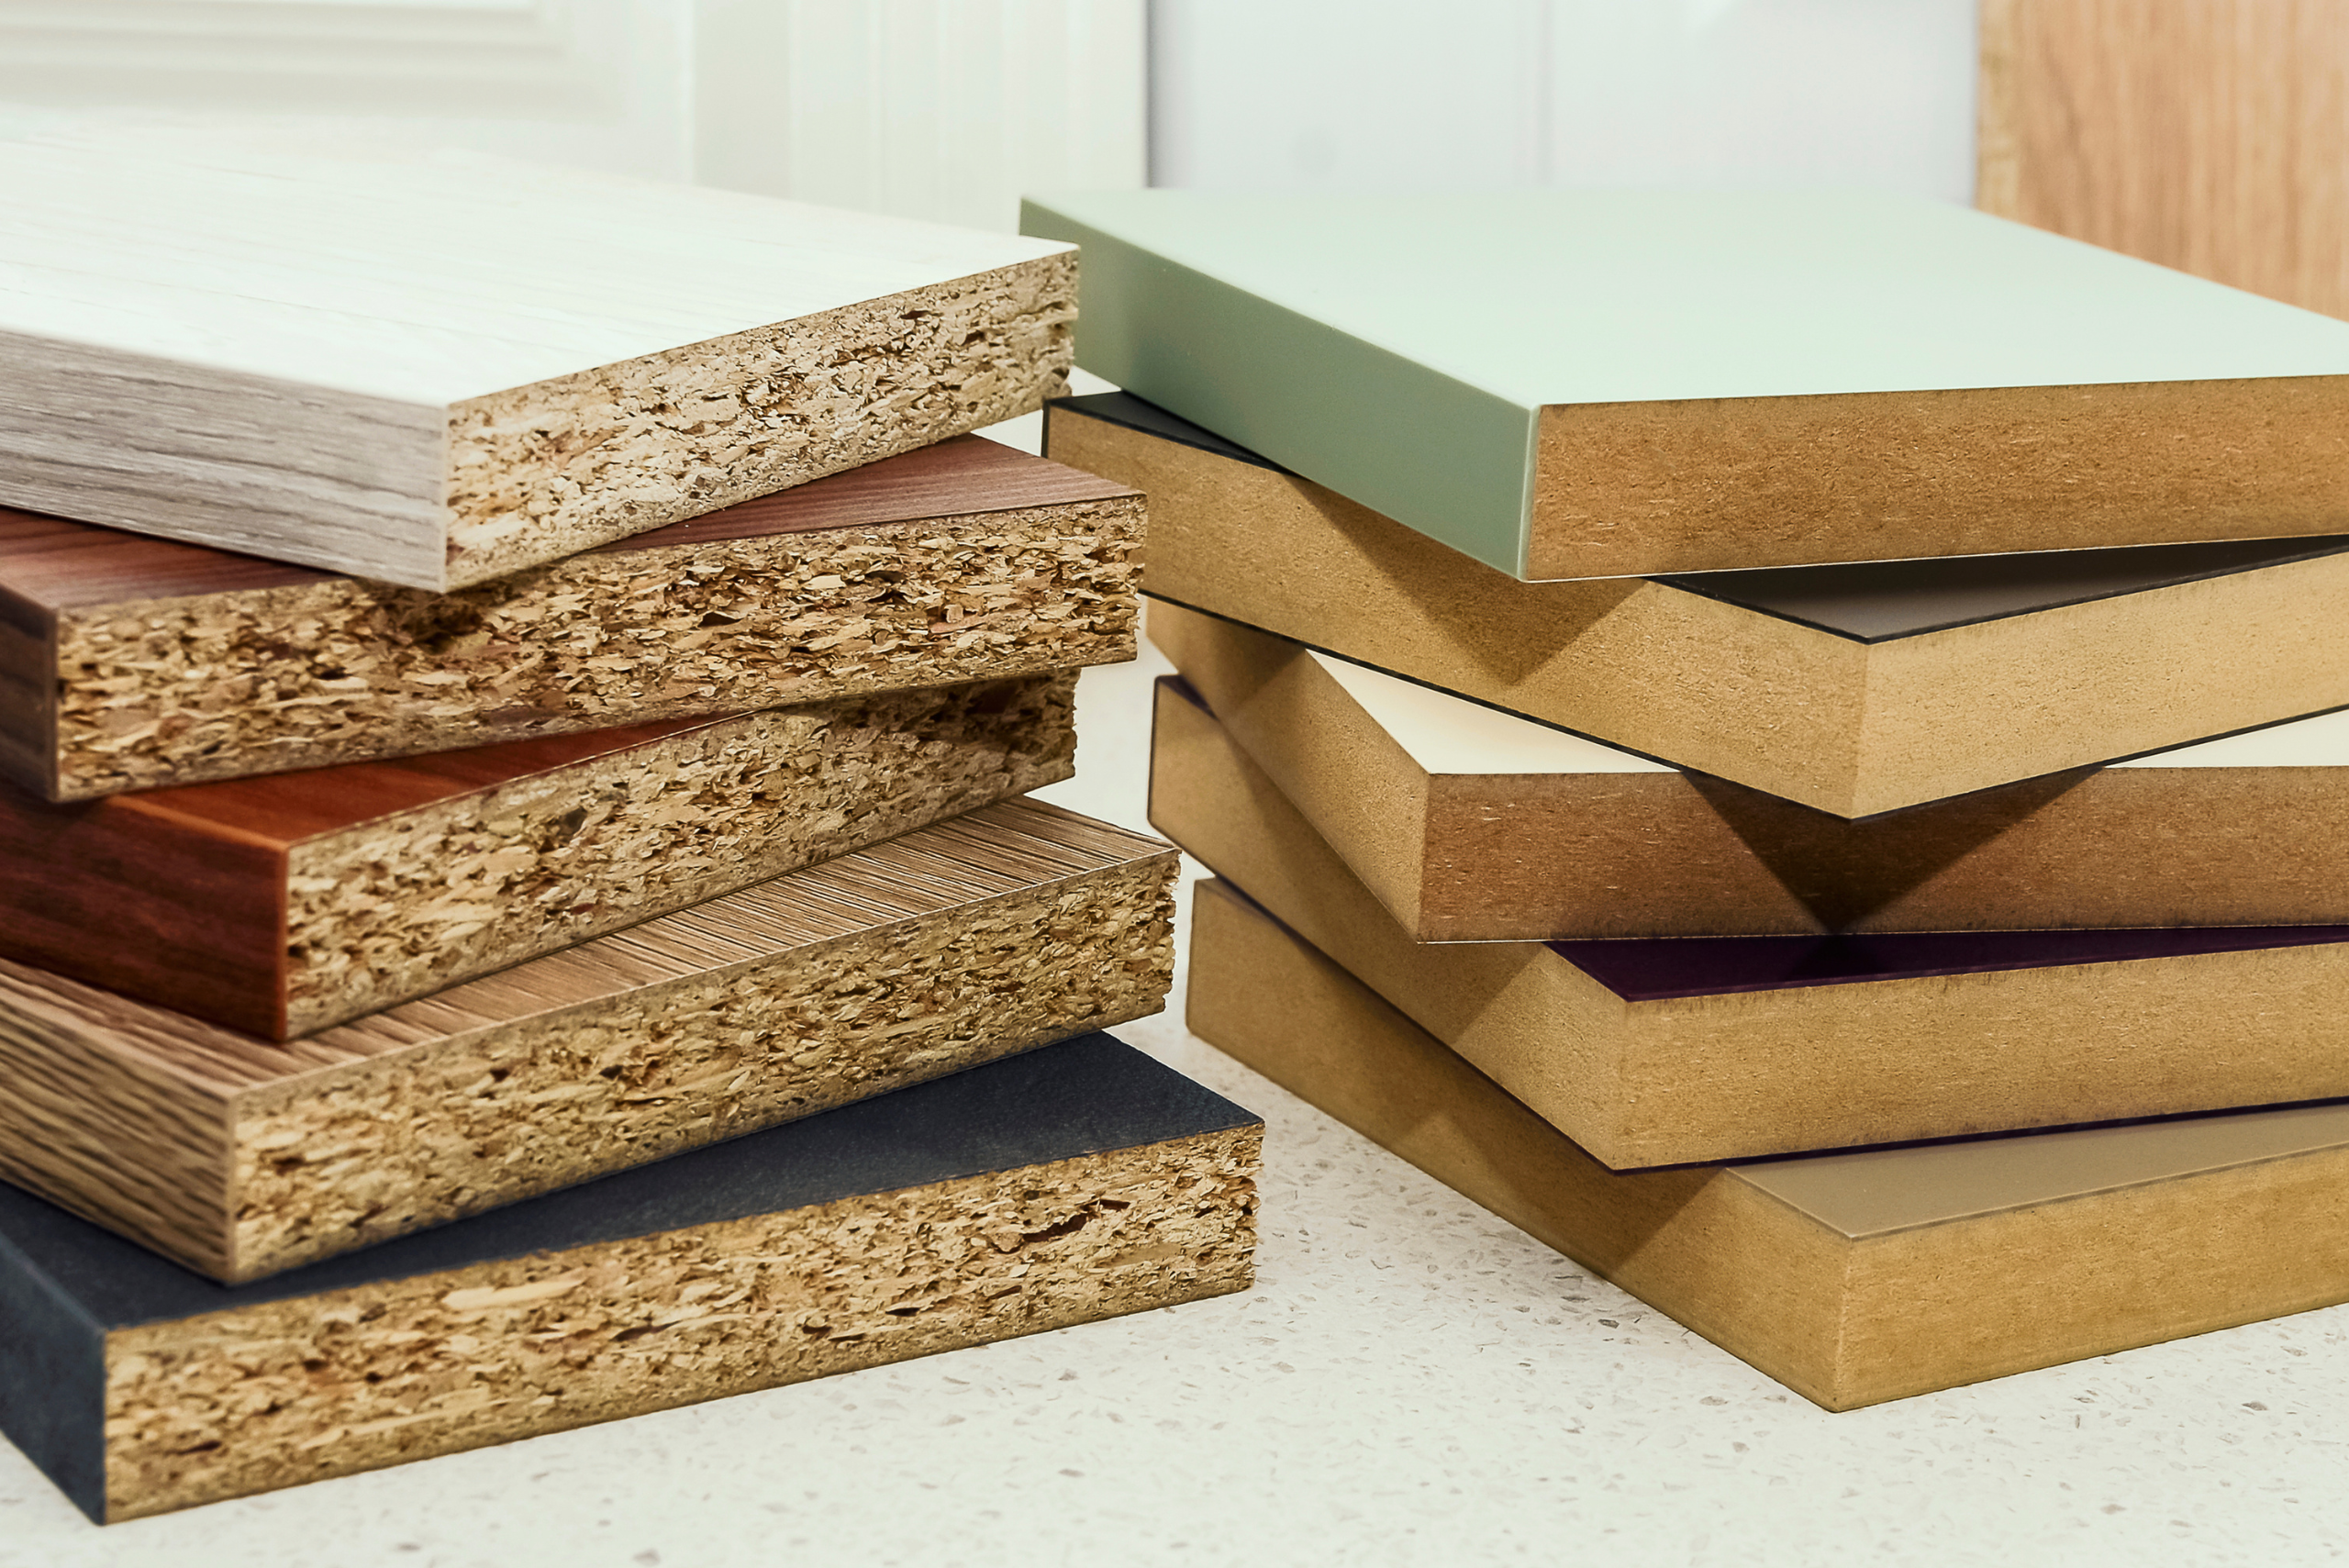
(430, 280)
(1446, 734)
(2318, 742)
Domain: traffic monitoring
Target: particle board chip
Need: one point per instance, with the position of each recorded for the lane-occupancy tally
(434, 370)
(1603, 384)
(1660, 1052)
(1066, 1184)
(280, 906)
(128, 662)
(972, 938)
(1851, 1278)
(1855, 689)
(1470, 824)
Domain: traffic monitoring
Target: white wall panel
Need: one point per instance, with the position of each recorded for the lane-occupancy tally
(1395, 93)
(947, 109)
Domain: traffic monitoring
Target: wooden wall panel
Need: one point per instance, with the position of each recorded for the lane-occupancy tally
(2206, 134)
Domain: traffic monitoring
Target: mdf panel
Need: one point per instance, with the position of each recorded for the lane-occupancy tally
(2208, 135)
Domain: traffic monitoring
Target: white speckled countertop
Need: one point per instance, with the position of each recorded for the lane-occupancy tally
(1411, 1381)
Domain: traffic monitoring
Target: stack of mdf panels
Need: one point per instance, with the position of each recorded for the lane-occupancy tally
(1689, 763)
(515, 692)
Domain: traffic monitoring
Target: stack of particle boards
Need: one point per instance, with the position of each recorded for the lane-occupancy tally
(515, 691)
(1690, 765)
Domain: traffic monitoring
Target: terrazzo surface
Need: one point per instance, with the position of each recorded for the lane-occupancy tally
(1411, 1381)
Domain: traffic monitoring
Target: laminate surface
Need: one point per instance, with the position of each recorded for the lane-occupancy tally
(1064, 1184)
(972, 938)
(282, 904)
(1735, 689)
(1470, 824)
(129, 662)
(1661, 1052)
(1597, 384)
(1832, 1273)
(435, 369)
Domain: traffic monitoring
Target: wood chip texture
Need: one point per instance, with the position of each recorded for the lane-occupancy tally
(298, 1390)
(311, 672)
(976, 938)
(408, 903)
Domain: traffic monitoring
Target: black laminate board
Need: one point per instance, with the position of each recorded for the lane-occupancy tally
(1087, 1096)
(1873, 601)
(1653, 969)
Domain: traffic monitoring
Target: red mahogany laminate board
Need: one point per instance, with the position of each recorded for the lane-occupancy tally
(280, 905)
(128, 662)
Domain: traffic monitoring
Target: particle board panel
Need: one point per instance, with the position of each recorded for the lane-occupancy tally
(1606, 383)
(1469, 824)
(1066, 1184)
(283, 904)
(2211, 136)
(1668, 1052)
(129, 662)
(1855, 689)
(437, 370)
(1852, 1278)
(972, 938)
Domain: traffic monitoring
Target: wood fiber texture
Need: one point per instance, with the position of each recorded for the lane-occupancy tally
(1481, 855)
(1055, 1188)
(974, 938)
(128, 662)
(595, 358)
(1668, 1051)
(2218, 1220)
(284, 903)
(2208, 135)
(1847, 726)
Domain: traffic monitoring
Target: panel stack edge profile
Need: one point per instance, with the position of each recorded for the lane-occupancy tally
(517, 902)
(1747, 782)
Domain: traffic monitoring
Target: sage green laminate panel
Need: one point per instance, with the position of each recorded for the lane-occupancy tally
(1271, 377)
(1399, 348)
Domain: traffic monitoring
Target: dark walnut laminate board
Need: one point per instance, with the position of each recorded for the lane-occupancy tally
(1677, 1050)
(1974, 677)
(280, 905)
(436, 373)
(128, 662)
(970, 939)
(1603, 384)
(1058, 1186)
(1469, 824)
(1852, 1278)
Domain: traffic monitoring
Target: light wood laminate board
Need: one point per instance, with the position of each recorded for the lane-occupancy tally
(970, 939)
(280, 905)
(2210, 135)
(1854, 689)
(1470, 824)
(1691, 1049)
(128, 662)
(1058, 1186)
(1604, 383)
(435, 369)
(1851, 1278)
